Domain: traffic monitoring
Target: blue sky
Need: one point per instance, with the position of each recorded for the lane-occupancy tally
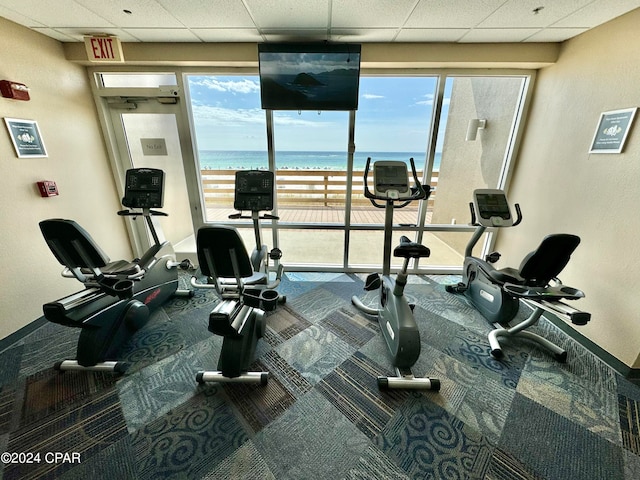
(393, 115)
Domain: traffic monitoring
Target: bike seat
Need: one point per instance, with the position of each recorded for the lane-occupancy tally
(409, 249)
(121, 267)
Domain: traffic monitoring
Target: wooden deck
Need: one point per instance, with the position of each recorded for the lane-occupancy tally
(309, 196)
(330, 215)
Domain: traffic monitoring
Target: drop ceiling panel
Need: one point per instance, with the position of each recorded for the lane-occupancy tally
(555, 34)
(313, 20)
(370, 13)
(498, 35)
(57, 35)
(597, 13)
(142, 13)
(19, 18)
(209, 13)
(271, 14)
(431, 34)
(295, 35)
(521, 13)
(58, 13)
(447, 14)
(78, 34)
(363, 35)
(240, 35)
(177, 35)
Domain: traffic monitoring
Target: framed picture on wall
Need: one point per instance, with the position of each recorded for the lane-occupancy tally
(26, 138)
(612, 131)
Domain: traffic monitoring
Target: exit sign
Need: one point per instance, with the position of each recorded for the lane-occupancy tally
(103, 49)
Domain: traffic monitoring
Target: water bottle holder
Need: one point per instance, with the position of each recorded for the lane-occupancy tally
(266, 300)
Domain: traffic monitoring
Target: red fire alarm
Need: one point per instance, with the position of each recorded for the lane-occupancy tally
(17, 91)
(48, 188)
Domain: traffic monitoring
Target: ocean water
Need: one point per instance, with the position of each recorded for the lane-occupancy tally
(236, 160)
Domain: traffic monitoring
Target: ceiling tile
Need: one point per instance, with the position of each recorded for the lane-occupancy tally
(60, 36)
(209, 13)
(555, 34)
(316, 20)
(363, 34)
(438, 13)
(295, 35)
(431, 34)
(177, 35)
(78, 34)
(370, 13)
(520, 13)
(597, 12)
(60, 13)
(19, 18)
(144, 13)
(288, 14)
(227, 34)
(492, 35)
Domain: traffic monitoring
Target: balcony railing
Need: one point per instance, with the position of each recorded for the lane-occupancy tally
(299, 188)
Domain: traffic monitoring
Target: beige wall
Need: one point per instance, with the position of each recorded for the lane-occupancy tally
(563, 188)
(62, 105)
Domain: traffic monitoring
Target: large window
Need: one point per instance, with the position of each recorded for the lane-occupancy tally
(424, 117)
(229, 129)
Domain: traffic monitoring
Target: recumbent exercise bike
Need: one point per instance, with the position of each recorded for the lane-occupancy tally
(118, 296)
(243, 282)
(496, 293)
(395, 315)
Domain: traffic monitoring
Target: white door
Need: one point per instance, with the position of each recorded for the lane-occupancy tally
(147, 134)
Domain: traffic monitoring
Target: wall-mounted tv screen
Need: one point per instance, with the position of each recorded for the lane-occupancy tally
(314, 76)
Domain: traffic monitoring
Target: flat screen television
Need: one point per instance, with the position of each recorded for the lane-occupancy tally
(317, 76)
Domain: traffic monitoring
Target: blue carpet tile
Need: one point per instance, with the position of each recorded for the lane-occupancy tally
(321, 415)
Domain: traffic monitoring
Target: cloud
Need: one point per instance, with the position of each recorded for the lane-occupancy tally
(212, 115)
(429, 100)
(233, 86)
(370, 96)
(281, 118)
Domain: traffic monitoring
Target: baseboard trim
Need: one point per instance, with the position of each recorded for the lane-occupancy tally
(631, 374)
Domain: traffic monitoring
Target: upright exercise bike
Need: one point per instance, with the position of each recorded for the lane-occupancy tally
(496, 293)
(394, 313)
(118, 296)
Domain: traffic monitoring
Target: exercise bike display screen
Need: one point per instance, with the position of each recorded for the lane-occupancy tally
(144, 188)
(254, 190)
(492, 205)
(390, 176)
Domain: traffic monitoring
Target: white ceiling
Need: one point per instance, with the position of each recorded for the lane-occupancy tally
(464, 21)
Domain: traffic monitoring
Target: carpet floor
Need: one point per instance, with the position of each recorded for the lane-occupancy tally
(321, 415)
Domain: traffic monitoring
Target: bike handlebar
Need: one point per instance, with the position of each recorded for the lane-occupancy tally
(266, 216)
(145, 212)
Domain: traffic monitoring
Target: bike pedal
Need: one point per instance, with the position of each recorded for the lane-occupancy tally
(372, 282)
(186, 265)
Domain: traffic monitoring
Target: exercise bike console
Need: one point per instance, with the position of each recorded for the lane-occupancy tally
(493, 209)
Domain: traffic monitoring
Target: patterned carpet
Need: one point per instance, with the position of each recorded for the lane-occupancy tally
(321, 415)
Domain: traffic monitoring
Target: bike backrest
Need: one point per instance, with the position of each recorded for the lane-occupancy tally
(545, 263)
(72, 245)
(216, 245)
